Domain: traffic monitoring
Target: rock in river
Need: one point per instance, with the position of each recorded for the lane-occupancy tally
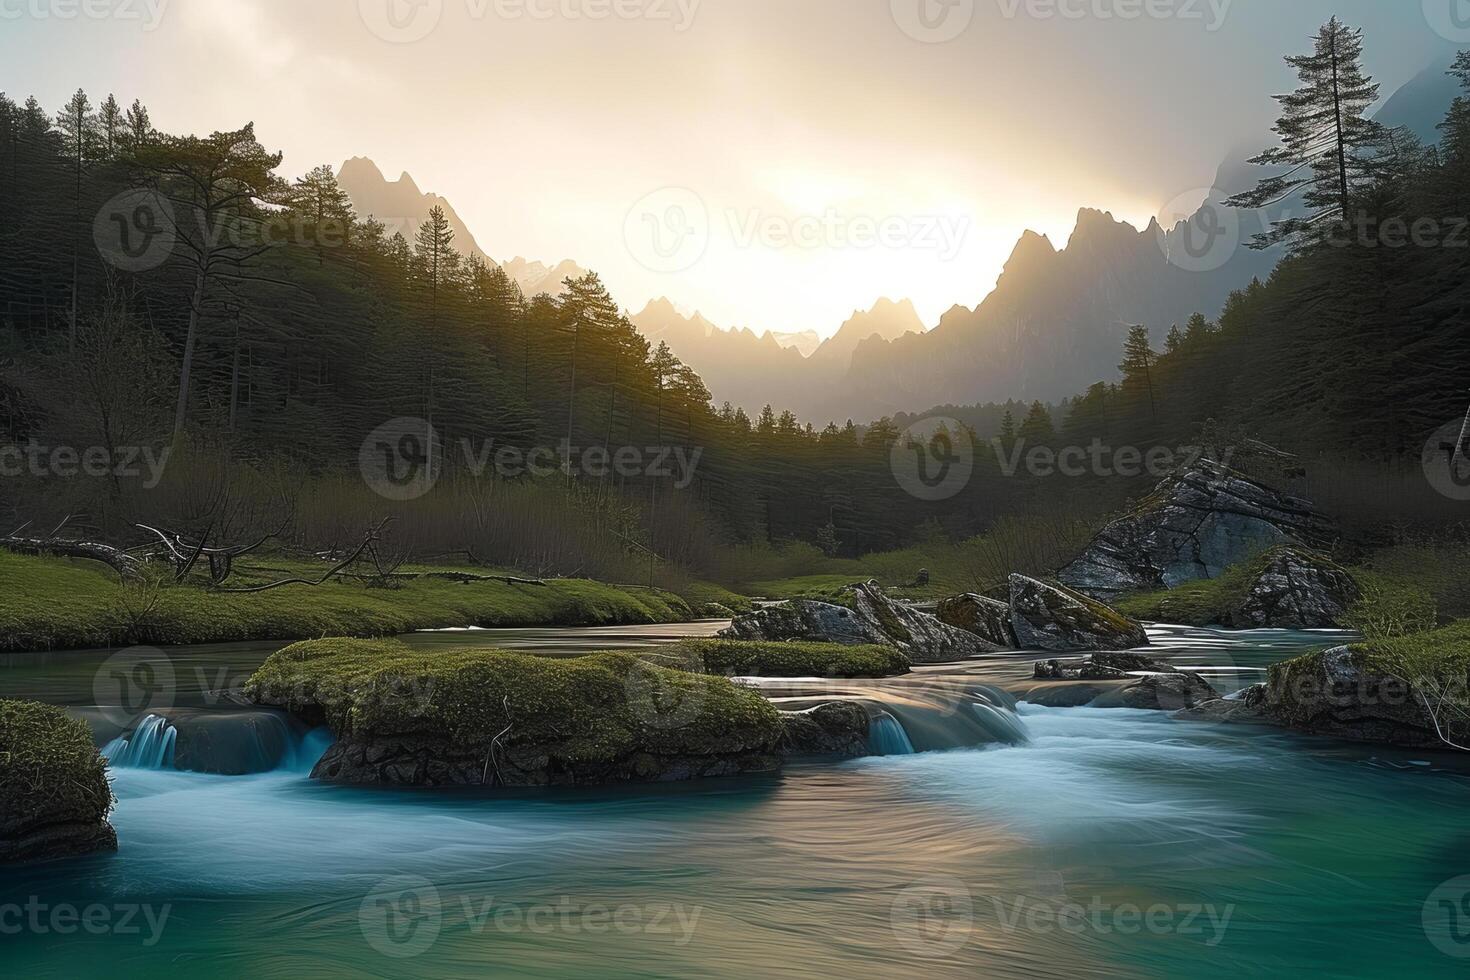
(987, 618)
(1049, 617)
(872, 618)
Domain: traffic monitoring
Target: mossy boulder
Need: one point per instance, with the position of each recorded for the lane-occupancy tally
(54, 794)
(490, 717)
(1409, 691)
(1055, 618)
(987, 618)
(755, 658)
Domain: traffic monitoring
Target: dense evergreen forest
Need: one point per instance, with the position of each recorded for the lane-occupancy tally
(179, 292)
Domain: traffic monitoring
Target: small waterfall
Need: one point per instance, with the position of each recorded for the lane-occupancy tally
(151, 746)
(913, 713)
(222, 743)
(887, 737)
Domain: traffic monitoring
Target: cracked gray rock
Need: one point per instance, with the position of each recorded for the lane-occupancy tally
(1195, 524)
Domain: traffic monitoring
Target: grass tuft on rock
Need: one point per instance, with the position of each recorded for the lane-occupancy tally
(758, 658)
(597, 708)
(50, 771)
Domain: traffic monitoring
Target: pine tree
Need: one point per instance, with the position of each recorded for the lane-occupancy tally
(1137, 366)
(79, 139)
(1327, 140)
(139, 128)
(110, 125)
(1037, 428)
(1174, 341)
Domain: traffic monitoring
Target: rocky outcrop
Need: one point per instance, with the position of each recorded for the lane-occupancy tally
(1049, 617)
(1337, 693)
(838, 729)
(1167, 692)
(872, 618)
(54, 794)
(1297, 590)
(1195, 524)
(987, 618)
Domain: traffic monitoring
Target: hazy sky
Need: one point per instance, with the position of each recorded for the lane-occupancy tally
(773, 163)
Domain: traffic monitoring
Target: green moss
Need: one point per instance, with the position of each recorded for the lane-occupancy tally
(49, 769)
(702, 594)
(744, 658)
(589, 709)
(52, 604)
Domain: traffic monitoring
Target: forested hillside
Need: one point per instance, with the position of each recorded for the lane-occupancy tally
(180, 292)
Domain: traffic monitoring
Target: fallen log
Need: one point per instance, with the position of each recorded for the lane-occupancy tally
(124, 564)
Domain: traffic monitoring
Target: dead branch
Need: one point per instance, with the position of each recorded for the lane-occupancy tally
(373, 535)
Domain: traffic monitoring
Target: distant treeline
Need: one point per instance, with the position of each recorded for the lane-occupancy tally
(177, 291)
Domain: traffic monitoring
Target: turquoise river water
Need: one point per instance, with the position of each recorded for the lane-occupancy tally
(1077, 842)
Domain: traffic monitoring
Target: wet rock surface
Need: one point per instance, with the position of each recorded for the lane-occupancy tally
(836, 729)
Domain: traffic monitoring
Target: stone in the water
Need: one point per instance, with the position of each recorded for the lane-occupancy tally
(838, 728)
(1168, 692)
(987, 618)
(1049, 617)
(1195, 524)
(1298, 590)
(872, 618)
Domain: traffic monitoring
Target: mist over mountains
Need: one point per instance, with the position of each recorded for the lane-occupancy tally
(1053, 324)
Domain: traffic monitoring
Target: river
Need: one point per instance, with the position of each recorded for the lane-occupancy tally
(1074, 842)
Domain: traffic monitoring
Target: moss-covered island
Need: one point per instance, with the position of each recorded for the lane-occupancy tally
(54, 794)
(490, 717)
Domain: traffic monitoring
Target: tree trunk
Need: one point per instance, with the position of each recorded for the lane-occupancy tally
(196, 306)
